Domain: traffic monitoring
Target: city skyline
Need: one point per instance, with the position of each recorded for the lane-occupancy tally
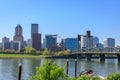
(65, 18)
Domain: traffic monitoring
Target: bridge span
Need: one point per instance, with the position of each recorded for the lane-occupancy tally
(96, 55)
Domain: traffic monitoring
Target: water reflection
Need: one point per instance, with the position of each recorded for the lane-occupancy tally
(9, 67)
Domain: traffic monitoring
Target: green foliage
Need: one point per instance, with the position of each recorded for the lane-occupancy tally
(73, 78)
(60, 53)
(84, 77)
(49, 72)
(87, 77)
(114, 76)
(29, 50)
(66, 52)
(45, 51)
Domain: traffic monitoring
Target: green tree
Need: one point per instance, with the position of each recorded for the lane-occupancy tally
(60, 53)
(66, 52)
(29, 50)
(49, 71)
(45, 51)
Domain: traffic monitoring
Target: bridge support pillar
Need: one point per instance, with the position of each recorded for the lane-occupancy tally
(89, 56)
(118, 57)
(79, 56)
(102, 57)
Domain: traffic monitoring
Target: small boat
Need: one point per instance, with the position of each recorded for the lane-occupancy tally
(87, 72)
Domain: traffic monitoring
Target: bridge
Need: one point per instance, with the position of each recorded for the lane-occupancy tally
(91, 55)
(96, 55)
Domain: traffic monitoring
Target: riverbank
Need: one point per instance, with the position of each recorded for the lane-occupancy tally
(20, 56)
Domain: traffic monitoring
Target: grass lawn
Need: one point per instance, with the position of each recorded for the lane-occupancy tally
(20, 56)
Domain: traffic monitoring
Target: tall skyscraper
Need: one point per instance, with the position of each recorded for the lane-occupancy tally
(19, 35)
(34, 29)
(87, 40)
(36, 41)
(36, 37)
(109, 42)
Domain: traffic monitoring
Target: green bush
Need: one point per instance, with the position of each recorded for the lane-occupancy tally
(49, 72)
(113, 76)
(87, 77)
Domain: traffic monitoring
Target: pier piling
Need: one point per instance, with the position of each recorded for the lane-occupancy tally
(19, 71)
(75, 68)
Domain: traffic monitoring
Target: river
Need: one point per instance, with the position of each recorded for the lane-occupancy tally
(9, 67)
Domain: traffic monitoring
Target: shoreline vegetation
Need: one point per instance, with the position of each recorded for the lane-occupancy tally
(29, 52)
(17, 55)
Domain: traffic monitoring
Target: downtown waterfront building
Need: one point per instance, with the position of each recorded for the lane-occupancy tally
(19, 35)
(86, 40)
(34, 29)
(50, 41)
(5, 39)
(35, 37)
(71, 44)
(36, 41)
(109, 42)
(29, 42)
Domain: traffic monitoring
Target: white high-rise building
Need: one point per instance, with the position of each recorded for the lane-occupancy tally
(83, 41)
(29, 42)
(86, 42)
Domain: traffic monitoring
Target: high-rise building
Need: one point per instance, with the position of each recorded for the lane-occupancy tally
(109, 42)
(83, 42)
(19, 35)
(71, 44)
(35, 37)
(34, 29)
(12, 45)
(29, 42)
(15, 45)
(5, 39)
(36, 41)
(86, 40)
(50, 41)
(5, 43)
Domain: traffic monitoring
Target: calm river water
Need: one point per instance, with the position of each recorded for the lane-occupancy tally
(9, 67)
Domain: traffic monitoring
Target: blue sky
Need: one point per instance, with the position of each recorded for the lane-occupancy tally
(67, 18)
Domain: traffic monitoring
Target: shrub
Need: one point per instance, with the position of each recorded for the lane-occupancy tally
(113, 76)
(49, 72)
(87, 77)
